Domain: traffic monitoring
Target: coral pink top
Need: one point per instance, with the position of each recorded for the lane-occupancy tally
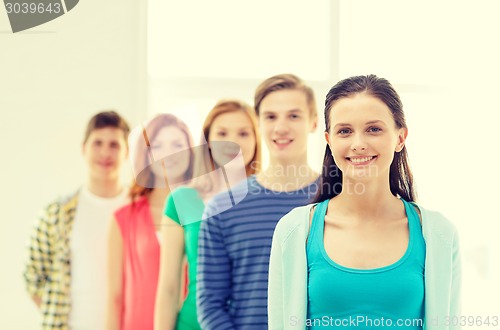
(141, 259)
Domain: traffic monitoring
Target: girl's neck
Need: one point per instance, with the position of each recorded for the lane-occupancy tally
(158, 196)
(367, 200)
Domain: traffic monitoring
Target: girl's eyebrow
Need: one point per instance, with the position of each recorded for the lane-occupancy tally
(374, 122)
(225, 129)
(367, 123)
(179, 139)
(341, 124)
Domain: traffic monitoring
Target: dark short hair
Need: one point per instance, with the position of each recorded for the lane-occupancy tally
(107, 119)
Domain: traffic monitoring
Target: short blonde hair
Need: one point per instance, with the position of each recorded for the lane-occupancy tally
(286, 81)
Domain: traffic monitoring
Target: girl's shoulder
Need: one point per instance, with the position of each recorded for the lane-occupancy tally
(132, 207)
(185, 191)
(294, 223)
(436, 225)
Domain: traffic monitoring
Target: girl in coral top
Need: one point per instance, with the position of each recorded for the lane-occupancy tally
(162, 159)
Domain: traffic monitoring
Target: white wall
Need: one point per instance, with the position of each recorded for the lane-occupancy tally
(53, 78)
(224, 49)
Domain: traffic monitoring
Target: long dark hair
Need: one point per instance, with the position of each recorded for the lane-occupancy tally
(400, 176)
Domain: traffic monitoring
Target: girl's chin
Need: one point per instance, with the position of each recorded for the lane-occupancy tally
(361, 174)
(361, 170)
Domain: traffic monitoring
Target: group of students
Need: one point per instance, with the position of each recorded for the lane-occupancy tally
(206, 239)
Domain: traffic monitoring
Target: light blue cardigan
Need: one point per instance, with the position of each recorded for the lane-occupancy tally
(287, 300)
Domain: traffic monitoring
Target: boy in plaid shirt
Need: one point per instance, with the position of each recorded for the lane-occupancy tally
(65, 272)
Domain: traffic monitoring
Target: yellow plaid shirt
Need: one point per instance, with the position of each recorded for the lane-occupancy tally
(48, 271)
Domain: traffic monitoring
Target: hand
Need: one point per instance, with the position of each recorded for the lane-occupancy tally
(37, 300)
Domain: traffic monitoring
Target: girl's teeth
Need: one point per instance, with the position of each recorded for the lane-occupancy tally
(361, 160)
(282, 141)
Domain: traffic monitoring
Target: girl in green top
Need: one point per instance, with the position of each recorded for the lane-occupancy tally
(230, 126)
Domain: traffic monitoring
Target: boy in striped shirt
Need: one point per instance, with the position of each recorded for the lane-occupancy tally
(235, 244)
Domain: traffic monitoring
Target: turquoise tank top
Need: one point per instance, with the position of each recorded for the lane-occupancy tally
(390, 297)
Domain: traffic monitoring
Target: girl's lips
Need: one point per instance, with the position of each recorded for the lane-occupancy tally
(357, 161)
(170, 164)
(104, 164)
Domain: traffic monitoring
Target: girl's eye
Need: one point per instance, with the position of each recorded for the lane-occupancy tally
(374, 130)
(344, 131)
(244, 134)
(221, 134)
(294, 116)
(269, 117)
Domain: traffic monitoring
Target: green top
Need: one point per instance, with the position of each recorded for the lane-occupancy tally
(185, 207)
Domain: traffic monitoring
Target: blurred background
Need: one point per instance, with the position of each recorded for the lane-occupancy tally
(146, 57)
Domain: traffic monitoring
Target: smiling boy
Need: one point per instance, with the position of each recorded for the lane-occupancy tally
(65, 273)
(234, 245)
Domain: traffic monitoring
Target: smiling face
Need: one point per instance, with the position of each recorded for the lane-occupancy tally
(363, 137)
(233, 127)
(167, 146)
(286, 121)
(104, 150)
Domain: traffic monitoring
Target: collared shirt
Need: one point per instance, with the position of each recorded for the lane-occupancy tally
(58, 267)
(48, 271)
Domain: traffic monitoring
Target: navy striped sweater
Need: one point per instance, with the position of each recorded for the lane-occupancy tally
(233, 254)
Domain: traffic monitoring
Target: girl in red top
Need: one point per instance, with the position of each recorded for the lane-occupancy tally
(163, 159)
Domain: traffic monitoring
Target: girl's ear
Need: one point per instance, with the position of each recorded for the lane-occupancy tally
(327, 138)
(314, 125)
(403, 133)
